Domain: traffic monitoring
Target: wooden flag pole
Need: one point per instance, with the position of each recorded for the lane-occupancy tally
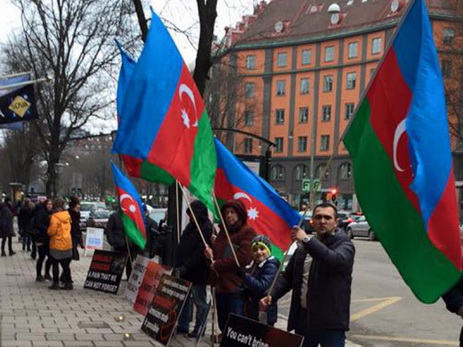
(178, 211)
(225, 229)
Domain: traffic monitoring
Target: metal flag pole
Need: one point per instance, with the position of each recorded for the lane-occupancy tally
(25, 83)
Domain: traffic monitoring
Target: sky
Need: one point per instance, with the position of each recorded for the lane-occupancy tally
(182, 13)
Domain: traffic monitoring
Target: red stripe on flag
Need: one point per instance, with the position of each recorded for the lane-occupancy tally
(173, 147)
(389, 99)
(134, 213)
(133, 165)
(261, 218)
(443, 229)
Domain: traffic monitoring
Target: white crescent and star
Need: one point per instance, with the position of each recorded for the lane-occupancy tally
(184, 89)
(253, 213)
(132, 207)
(399, 131)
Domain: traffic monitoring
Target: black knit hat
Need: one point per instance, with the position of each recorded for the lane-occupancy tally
(239, 207)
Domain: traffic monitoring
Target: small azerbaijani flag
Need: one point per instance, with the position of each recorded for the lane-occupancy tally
(399, 144)
(131, 207)
(267, 212)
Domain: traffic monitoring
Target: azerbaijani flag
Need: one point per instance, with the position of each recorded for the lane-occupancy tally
(163, 123)
(131, 207)
(136, 167)
(400, 148)
(268, 213)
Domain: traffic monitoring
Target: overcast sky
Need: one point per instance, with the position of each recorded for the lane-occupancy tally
(182, 13)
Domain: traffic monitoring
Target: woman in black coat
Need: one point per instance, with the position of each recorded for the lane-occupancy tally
(41, 222)
(6, 228)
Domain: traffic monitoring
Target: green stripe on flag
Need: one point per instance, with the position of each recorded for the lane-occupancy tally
(132, 232)
(397, 224)
(154, 173)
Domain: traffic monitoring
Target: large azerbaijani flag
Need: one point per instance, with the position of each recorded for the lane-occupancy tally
(400, 148)
(136, 167)
(163, 120)
(131, 207)
(268, 213)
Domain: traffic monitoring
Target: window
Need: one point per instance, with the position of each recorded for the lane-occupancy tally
(349, 108)
(324, 142)
(446, 67)
(277, 173)
(302, 143)
(449, 34)
(280, 116)
(353, 50)
(281, 87)
(327, 83)
(306, 56)
(300, 172)
(279, 144)
(249, 90)
(282, 59)
(320, 170)
(345, 171)
(304, 86)
(329, 53)
(303, 114)
(248, 145)
(250, 62)
(326, 113)
(351, 78)
(376, 45)
(248, 118)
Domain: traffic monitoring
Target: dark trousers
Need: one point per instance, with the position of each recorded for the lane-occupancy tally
(325, 338)
(198, 296)
(228, 303)
(43, 252)
(10, 244)
(66, 269)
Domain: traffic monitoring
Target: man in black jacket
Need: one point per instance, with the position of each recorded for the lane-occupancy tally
(320, 275)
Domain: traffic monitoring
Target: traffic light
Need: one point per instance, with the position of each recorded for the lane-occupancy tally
(334, 193)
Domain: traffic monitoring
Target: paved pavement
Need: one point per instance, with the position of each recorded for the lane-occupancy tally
(32, 315)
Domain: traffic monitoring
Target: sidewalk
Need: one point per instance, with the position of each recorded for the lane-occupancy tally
(33, 315)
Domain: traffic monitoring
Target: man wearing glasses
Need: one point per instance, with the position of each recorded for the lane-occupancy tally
(320, 275)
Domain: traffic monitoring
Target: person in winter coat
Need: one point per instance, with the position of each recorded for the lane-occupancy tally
(60, 244)
(223, 264)
(192, 265)
(152, 234)
(25, 226)
(42, 216)
(6, 227)
(257, 279)
(76, 233)
(115, 235)
(454, 302)
(320, 275)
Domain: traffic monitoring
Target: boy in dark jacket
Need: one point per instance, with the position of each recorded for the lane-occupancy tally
(257, 279)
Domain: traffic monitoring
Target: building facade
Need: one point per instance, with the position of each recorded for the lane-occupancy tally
(302, 67)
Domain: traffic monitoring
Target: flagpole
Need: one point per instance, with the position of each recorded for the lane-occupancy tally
(15, 74)
(178, 211)
(26, 83)
(225, 229)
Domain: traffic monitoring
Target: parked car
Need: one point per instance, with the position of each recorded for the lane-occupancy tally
(87, 207)
(360, 227)
(98, 218)
(346, 217)
(157, 213)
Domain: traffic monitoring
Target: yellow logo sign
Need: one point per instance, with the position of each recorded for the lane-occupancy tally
(20, 106)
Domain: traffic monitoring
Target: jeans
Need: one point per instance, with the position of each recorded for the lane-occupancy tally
(324, 338)
(43, 252)
(228, 303)
(26, 241)
(198, 296)
(66, 269)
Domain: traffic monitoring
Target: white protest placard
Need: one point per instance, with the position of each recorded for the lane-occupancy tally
(94, 239)
(136, 277)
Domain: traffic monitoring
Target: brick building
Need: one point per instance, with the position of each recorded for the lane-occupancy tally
(302, 66)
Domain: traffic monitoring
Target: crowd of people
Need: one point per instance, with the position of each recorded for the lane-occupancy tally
(236, 262)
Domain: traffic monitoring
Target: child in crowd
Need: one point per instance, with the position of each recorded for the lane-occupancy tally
(258, 277)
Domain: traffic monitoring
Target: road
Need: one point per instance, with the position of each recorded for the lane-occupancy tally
(384, 311)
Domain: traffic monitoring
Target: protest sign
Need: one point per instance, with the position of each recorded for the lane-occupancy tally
(148, 286)
(94, 239)
(105, 272)
(168, 301)
(241, 331)
(136, 277)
